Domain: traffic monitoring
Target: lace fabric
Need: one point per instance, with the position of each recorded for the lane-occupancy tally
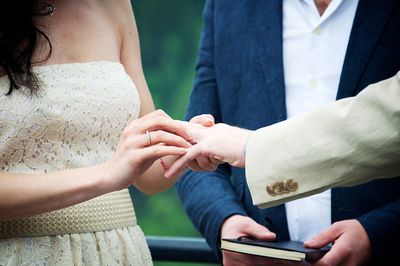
(125, 246)
(74, 120)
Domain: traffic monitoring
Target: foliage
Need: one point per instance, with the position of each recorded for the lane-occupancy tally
(169, 33)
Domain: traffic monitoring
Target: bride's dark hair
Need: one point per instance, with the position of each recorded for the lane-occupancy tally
(19, 39)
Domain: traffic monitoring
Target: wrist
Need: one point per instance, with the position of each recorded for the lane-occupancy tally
(242, 139)
(245, 148)
(103, 180)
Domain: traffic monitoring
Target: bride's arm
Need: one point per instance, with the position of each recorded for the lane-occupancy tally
(153, 180)
(24, 195)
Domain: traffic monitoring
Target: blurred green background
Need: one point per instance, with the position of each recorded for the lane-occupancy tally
(169, 34)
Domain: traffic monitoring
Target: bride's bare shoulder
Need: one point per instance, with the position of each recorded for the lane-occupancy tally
(120, 12)
(118, 8)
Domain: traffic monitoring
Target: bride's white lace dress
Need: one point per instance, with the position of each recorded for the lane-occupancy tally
(74, 120)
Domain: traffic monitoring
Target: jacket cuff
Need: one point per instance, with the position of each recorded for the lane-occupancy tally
(214, 239)
(383, 232)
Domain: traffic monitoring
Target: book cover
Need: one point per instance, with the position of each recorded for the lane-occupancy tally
(287, 250)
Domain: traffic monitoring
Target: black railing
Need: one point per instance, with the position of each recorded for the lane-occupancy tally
(182, 249)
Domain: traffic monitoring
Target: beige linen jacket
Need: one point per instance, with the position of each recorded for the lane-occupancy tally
(349, 142)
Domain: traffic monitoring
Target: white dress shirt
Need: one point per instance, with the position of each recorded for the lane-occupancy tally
(314, 49)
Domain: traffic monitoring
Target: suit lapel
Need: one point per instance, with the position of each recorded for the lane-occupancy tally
(267, 26)
(368, 25)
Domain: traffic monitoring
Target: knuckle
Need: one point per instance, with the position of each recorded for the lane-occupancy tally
(155, 135)
(200, 162)
(158, 119)
(180, 142)
(321, 236)
(203, 163)
(158, 149)
(129, 143)
(336, 225)
(134, 124)
(161, 112)
(125, 134)
(158, 112)
(209, 167)
(345, 250)
(220, 125)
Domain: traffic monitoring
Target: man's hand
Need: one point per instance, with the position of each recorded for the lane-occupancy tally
(203, 163)
(220, 143)
(236, 226)
(351, 244)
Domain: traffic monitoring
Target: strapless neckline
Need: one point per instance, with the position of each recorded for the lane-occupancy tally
(78, 64)
(43, 68)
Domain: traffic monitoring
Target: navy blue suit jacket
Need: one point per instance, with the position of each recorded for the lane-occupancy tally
(239, 80)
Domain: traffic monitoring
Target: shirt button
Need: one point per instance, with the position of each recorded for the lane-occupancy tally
(313, 83)
(317, 30)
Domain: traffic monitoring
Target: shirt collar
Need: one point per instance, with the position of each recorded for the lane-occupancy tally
(330, 10)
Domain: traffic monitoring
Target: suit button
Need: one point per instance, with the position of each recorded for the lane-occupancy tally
(317, 30)
(280, 188)
(292, 185)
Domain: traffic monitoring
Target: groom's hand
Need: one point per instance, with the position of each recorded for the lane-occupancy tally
(203, 163)
(221, 143)
(351, 244)
(206, 120)
(236, 226)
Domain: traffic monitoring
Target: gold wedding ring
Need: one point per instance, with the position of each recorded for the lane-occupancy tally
(148, 137)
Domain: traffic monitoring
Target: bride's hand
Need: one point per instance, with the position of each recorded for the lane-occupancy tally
(142, 142)
(220, 142)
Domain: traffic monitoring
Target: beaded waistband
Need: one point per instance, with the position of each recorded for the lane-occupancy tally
(110, 211)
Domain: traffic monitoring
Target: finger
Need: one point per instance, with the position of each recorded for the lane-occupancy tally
(216, 161)
(198, 132)
(155, 113)
(259, 232)
(162, 123)
(194, 166)
(158, 151)
(206, 120)
(324, 238)
(152, 115)
(205, 164)
(333, 257)
(160, 136)
(180, 163)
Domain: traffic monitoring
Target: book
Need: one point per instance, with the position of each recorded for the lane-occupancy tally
(286, 250)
